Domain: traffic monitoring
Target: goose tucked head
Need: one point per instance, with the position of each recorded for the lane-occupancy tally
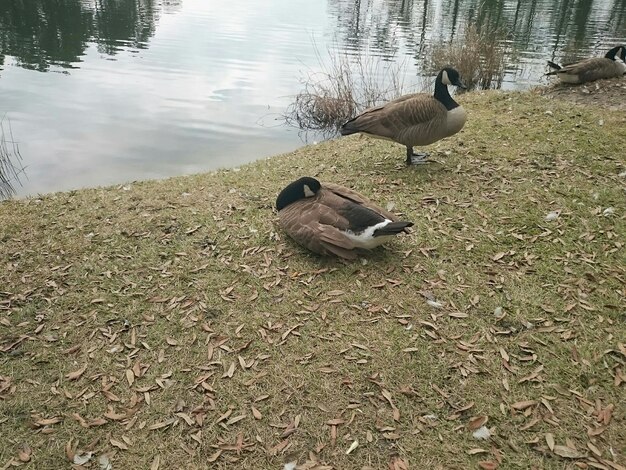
(299, 189)
(450, 76)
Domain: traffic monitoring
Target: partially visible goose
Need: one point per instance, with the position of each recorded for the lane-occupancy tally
(330, 219)
(417, 119)
(589, 70)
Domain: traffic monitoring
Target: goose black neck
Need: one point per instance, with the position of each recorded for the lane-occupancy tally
(611, 54)
(442, 94)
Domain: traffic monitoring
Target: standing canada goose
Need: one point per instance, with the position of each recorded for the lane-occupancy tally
(416, 119)
(334, 220)
(589, 70)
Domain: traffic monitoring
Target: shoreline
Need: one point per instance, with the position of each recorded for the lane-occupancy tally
(596, 94)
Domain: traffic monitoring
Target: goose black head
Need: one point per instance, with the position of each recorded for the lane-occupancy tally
(299, 189)
(450, 76)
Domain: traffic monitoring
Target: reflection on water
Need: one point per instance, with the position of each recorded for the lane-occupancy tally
(41, 33)
(536, 30)
(156, 88)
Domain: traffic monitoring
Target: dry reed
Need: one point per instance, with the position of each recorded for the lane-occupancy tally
(10, 162)
(346, 84)
(478, 56)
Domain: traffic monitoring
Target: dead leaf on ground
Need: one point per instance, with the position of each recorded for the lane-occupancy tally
(476, 422)
(488, 464)
(77, 373)
(567, 452)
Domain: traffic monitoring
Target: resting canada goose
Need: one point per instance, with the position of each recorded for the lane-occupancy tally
(589, 70)
(330, 219)
(417, 119)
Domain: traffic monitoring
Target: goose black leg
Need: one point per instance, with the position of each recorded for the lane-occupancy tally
(413, 158)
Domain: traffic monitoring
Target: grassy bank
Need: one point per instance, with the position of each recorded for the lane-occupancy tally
(169, 324)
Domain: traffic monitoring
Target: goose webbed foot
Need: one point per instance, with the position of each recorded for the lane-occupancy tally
(413, 158)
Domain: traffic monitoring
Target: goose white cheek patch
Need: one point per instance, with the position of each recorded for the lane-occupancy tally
(445, 79)
(307, 191)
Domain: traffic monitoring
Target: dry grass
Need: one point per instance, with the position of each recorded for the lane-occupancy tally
(169, 324)
(344, 85)
(478, 56)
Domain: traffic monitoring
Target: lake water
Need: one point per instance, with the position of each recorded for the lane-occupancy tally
(108, 91)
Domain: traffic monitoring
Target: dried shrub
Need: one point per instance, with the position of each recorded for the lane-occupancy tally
(478, 56)
(10, 162)
(346, 84)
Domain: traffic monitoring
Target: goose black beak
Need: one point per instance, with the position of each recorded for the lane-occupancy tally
(460, 84)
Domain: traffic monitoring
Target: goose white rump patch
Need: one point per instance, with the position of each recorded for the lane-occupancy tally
(366, 238)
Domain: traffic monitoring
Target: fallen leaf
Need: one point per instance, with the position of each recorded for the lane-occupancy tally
(477, 422)
(215, 456)
(186, 417)
(550, 441)
(47, 421)
(235, 419)
(24, 453)
(594, 449)
(504, 354)
(77, 373)
(162, 424)
(229, 373)
(112, 415)
(522, 405)
(97, 422)
(118, 444)
(567, 452)
(334, 293)
(69, 451)
(476, 450)
(488, 464)
(82, 459)
(353, 446)
(335, 422)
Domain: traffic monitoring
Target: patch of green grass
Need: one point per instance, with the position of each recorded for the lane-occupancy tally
(211, 340)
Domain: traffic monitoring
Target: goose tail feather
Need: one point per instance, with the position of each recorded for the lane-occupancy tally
(555, 66)
(392, 228)
(349, 127)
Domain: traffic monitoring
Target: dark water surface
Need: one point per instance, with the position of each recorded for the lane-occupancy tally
(109, 91)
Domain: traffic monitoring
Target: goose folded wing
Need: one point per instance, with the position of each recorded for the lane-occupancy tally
(326, 239)
(394, 118)
(583, 66)
(357, 198)
(305, 226)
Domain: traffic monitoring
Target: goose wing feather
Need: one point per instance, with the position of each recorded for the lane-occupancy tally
(592, 69)
(409, 120)
(312, 225)
(347, 193)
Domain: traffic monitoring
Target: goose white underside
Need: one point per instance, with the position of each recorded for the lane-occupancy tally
(455, 120)
(366, 238)
(568, 78)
